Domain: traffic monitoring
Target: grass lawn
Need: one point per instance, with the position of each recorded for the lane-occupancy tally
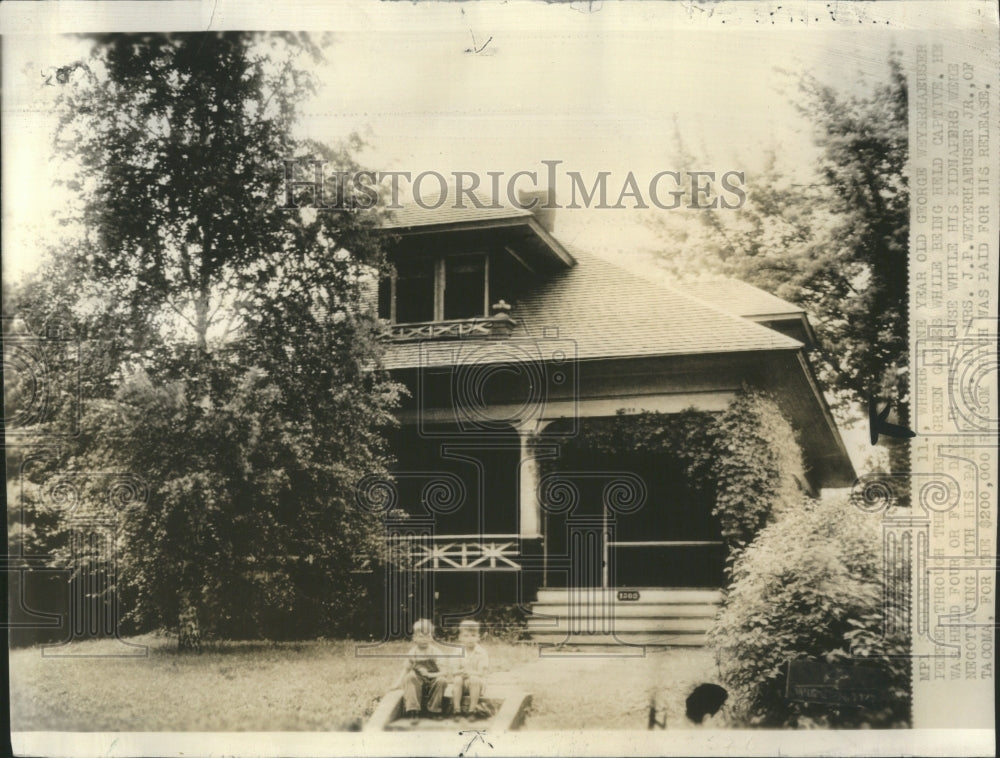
(320, 686)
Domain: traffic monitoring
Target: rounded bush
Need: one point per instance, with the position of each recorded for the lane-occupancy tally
(809, 587)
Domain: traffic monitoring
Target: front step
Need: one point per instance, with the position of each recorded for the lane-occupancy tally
(646, 595)
(631, 615)
(636, 610)
(626, 638)
(608, 624)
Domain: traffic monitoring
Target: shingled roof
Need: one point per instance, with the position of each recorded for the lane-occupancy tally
(741, 298)
(610, 311)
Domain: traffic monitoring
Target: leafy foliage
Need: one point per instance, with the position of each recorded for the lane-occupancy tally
(246, 513)
(686, 436)
(834, 243)
(809, 587)
(178, 144)
(758, 467)
(239, 374)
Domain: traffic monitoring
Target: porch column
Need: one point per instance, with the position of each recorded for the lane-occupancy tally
(530, 512)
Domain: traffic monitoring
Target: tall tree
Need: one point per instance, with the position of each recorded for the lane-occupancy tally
(244, 381)
(836, 245)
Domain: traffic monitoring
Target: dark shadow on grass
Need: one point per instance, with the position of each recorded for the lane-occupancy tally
(235, 647)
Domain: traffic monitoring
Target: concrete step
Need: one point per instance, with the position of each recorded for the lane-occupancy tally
(628, 638)
(446, 724)
(632, 610)
(510, 707)
(631, 615)
(667, 625)
(681, 595)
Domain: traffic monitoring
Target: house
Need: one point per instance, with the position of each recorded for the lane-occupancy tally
(509, 341)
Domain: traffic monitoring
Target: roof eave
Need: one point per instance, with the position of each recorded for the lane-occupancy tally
(776, 316)
(841, 473)
(458, 226)
(552, 243)
(480, 360)
(555, 249)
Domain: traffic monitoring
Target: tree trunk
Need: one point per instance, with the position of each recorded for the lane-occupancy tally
(201, 306)
(188, 630)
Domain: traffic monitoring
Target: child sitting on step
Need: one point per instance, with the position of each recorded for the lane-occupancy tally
(466, 673)
(422, 677)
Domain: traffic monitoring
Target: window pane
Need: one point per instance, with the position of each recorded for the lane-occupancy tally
(385, 298)
(414, 291)
(465, 286)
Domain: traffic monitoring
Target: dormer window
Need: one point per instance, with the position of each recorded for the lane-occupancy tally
(436, 289)
(414, 295)
(465, 294)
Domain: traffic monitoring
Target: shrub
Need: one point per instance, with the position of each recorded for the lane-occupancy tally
(500, 622)
(808, 587)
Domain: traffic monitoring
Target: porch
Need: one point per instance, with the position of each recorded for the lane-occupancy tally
(551, 505)
(587, 608)
(597, 549)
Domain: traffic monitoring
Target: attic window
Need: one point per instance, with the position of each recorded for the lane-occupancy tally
(436, 289)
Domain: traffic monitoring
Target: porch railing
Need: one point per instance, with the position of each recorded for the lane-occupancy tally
(461, 552)
(499, 552)
(497, 326)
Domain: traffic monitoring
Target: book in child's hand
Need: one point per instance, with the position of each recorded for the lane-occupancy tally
(426, 668)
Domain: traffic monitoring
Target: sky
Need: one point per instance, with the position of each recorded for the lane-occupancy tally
(597, 86)
(602, 89)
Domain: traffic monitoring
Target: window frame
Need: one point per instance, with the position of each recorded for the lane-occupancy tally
(439, 276)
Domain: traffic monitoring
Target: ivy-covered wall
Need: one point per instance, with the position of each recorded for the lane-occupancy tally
(758, 467)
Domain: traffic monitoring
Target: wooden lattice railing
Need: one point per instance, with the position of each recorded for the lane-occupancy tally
(498, 326)
(461, 552)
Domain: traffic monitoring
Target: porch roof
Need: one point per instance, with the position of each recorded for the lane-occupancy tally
(755, 304)
(610, 311)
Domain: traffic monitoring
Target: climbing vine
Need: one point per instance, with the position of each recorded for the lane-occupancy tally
(758, 469)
